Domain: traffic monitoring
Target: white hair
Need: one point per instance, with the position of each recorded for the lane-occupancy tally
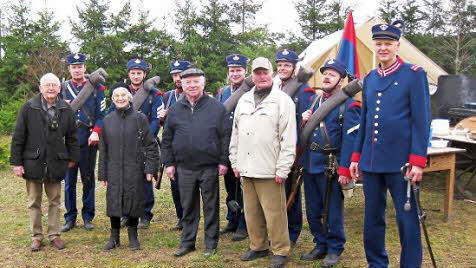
(49, 77)
(129, 95)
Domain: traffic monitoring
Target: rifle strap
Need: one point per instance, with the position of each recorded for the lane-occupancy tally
(139, 98)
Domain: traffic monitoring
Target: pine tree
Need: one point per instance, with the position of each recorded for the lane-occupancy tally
(312, 18)
(388, 10)
(243, 12)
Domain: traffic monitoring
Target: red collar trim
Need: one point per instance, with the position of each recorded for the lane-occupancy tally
(81, 83)
(391, 69)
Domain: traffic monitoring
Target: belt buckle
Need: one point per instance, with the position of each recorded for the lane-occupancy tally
(314, 146)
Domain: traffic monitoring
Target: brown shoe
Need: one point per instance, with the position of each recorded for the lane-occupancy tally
(57, 243)
(35, 245)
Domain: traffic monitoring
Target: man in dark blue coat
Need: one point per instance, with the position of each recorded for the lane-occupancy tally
(337, 131)
(236, 64)
(286, 61)
(394, 130)
(89, 122)
(169, 99)
(195, 147)
(148, 102)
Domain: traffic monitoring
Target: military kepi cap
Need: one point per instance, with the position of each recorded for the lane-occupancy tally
(261, 63)
(236, 60)
(287, 55)
(178, 66)
(335, 65)
(137, 64)
(192, 72)
(387, 31)
(76, 58)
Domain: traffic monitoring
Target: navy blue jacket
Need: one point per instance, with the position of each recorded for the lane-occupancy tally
(340, 136)
(95, 104)
(395, 119)
(196, 137)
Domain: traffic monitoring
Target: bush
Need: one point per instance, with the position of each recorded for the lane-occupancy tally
(8, 115)
(4, 152)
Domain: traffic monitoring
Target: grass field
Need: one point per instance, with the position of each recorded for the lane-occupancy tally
(454, 243)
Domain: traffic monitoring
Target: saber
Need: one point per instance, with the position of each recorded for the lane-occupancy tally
(420, 212)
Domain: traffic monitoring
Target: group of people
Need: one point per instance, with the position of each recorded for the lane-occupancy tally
(251, 133)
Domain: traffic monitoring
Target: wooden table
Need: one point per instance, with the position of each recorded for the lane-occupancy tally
(466, 161)
(444, 159)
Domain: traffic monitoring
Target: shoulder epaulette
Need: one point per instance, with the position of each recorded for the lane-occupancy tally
(356, 104)
(415, 67)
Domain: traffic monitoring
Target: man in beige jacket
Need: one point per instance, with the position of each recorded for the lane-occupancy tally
(262, 151)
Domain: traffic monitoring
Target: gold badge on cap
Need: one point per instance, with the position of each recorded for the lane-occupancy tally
(76, 56)
(384, 27)
(285, 52)
(137, 61)
(176, 64)
(236, 58)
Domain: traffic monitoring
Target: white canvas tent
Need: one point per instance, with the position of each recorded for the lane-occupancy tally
(327, 47)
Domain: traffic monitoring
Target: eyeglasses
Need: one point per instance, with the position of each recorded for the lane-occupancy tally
(50, 85)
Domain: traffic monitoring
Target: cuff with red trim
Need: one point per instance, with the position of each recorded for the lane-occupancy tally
(97, 130)
(416, 160)
(343, 171)
(355, 157)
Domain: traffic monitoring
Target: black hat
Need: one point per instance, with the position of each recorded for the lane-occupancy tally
(192, 72)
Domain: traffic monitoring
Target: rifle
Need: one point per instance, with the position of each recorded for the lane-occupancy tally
(296, 177)
(158, 177)
(330, 172)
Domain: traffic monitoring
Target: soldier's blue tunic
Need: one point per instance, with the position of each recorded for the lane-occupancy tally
(169, 99)
(87, 121)
(301, 99)
(342, 125)
(395, 125)
(231, 181)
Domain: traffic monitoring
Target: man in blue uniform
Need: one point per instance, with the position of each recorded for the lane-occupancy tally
(236, 220)
(394, 130)
(89, 122)
(286, 67)
(337, 131)
(169, 99)
(148, 102)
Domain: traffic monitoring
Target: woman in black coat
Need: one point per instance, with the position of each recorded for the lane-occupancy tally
(128, 155)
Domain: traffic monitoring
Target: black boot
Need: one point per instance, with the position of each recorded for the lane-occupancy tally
(133, 241)
(114, 241)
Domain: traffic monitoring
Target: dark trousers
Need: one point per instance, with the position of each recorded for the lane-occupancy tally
(231, 182)
(294, 213)
(375, 191)
(148, 200)
(315, 186)
(174, 186)
(191, 183)
(116, 222)
(88, 210)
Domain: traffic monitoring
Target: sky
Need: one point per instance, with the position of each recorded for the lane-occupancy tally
(279, 15)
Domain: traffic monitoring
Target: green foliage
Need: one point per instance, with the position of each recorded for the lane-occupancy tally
(8, 115)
